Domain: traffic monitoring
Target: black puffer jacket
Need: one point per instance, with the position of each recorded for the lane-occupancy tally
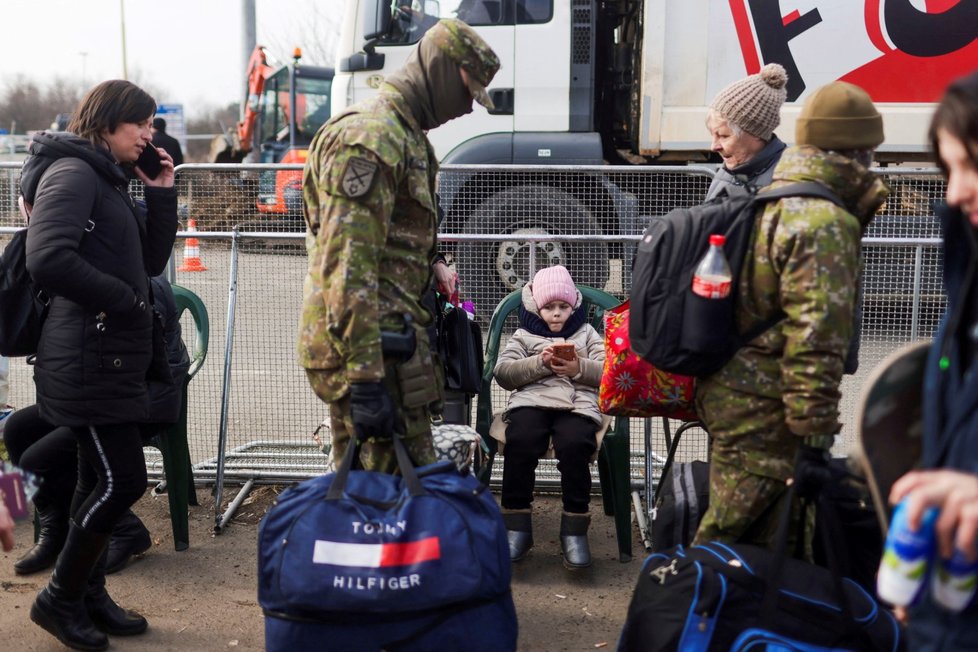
(91, 248)
(165, 398)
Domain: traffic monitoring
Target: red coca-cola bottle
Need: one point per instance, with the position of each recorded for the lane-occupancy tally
(712, 277)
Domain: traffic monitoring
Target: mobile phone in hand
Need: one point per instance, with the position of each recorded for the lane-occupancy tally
(149, 162)
(565, 351)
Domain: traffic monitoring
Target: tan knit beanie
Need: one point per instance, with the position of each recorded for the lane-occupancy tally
(754, 102)
(838, 116)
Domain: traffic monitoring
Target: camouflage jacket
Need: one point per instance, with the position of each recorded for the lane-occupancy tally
(805, 260)
(371, 224)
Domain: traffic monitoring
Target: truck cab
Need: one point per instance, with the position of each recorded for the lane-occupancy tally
(294, 103)
(593, 82)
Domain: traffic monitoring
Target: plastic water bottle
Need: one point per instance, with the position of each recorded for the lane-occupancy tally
(907, 556)
(712, 277)
(954, 582)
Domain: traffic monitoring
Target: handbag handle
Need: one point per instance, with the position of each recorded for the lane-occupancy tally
(769, 600)
(414, 486)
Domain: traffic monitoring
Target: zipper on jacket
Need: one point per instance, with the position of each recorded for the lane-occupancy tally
(100, 329)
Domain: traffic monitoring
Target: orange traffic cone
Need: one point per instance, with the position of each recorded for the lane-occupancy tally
(191, 252)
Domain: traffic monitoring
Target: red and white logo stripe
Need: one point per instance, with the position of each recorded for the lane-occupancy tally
(376, 555)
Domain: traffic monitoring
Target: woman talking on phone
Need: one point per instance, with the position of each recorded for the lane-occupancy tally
(92, 248)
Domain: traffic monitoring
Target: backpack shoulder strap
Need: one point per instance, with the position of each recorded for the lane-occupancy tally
(800, 189)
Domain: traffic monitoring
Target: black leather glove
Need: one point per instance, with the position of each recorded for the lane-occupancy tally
(811, 470)
(372, 410)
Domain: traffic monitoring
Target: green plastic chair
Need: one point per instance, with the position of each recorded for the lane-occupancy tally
(173, 443)
(613, 459)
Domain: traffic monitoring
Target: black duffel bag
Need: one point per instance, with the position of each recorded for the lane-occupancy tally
(741, 597)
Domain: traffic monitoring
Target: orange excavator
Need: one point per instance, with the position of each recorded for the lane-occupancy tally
(285, 107)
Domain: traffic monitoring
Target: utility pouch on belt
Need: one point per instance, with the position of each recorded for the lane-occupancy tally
(399, 345)
(411, 351)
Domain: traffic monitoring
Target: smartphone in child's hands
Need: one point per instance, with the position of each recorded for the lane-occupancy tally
(565, 351)
(149, 162)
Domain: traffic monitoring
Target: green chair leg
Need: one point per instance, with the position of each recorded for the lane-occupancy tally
(616, 450)
(607, 488)
(179, 477)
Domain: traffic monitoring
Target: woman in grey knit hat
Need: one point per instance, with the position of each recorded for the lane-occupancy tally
(742, 120)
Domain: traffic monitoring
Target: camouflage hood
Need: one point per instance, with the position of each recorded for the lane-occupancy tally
(862, 191)
(432, 86)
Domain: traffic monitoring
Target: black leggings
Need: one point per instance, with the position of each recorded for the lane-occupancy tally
(49, 452)
(111, 474)
(528, 434)
(111, 469)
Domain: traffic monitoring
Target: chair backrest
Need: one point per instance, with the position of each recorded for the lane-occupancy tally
(187, 300)
(595, 302)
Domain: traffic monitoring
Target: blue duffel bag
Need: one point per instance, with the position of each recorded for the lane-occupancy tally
(361, 560)
(743, 598)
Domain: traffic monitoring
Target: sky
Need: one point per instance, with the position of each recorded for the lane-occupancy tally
(183, 51)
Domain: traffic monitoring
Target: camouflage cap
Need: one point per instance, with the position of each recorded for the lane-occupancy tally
(464, 45)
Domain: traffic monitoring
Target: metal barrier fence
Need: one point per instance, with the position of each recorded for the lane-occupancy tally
(252, 414)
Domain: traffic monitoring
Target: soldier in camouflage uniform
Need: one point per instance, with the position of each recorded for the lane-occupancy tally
(776, 403)
(370, 209)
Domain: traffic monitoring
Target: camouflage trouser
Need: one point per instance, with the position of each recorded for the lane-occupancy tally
(752, 456)
(746, 508)
(378, 454)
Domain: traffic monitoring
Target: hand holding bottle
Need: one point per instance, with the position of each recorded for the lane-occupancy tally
(955, 494)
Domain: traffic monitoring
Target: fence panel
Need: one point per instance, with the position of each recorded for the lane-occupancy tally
(500, 224)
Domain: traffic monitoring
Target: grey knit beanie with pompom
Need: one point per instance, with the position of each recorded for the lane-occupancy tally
(754, 102)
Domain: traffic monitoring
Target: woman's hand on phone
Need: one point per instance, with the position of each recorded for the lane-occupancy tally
(166, 177)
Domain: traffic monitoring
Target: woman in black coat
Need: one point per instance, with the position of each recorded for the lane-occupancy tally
(91, 248)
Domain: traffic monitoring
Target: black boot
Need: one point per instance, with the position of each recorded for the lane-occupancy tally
(573, 540)
(60, 607)
(129, 537)
(519, 532)
(53, 521)
(104, 612)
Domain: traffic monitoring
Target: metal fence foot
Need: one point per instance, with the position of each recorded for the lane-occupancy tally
(233, 507)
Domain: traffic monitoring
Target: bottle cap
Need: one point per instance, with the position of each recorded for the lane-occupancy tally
(717, 240)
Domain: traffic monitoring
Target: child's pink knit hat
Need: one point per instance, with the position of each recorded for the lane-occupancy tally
(553, 284)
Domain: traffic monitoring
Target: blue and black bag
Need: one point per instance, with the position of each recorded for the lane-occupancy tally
(361, 560)
(740, 597)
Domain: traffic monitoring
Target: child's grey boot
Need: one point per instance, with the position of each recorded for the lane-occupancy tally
(573, 540)
(519, 532)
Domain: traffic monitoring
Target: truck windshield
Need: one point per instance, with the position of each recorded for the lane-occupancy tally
(412, 18)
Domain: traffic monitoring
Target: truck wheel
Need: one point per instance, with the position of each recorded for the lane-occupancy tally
(488, 271)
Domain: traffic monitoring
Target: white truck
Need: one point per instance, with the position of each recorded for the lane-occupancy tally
(592, 82)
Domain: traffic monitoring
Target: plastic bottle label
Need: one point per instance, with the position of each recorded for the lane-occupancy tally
(955, 581)
(906, 558)
(711, 287)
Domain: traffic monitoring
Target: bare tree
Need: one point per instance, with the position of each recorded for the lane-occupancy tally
(21, 106)
(316, 31)
(62, 96)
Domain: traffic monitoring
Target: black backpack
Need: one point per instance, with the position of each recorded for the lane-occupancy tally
(24, 303)
(674, 329)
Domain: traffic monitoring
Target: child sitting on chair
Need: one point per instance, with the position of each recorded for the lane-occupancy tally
(554, 399)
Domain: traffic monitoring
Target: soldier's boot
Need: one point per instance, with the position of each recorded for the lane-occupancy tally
(53, 529)
(60, 606)
(573, 540)
(519, 532)
(106, 615)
